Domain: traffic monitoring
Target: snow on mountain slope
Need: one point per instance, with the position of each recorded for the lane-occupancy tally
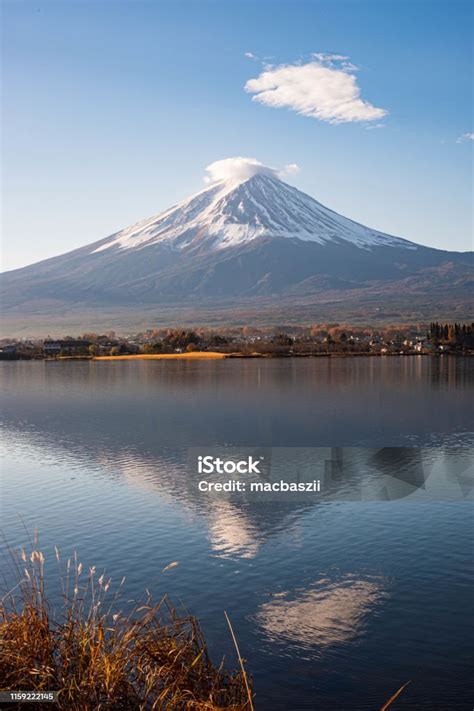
(238, 210)
(248, 238)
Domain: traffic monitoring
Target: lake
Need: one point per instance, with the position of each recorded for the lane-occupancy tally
(336, 600)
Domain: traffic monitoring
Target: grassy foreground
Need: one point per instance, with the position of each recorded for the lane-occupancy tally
(98, 657)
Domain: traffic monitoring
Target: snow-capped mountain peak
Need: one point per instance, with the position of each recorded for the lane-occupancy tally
(247, 240)
(242, 208)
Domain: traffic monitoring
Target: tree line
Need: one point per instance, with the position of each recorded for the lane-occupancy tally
(453, 334)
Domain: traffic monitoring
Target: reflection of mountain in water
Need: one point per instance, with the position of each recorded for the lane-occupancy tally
(137, 420)
(234, 528)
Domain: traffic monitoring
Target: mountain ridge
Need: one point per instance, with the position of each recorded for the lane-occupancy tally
(233, 212)
(234, 240)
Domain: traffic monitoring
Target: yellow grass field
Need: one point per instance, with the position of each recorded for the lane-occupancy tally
(193, 355)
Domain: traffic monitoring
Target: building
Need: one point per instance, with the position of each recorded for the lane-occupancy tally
(8, 351)
(67, 346)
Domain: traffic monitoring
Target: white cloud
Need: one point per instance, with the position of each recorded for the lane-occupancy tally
(328, 58)
(250, 55)
(465, 137)
(240, 169)
(290, 169)
(324, 88)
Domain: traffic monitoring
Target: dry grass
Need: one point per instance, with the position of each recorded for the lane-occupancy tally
(100, 658)
(193, 355)
(394, 697)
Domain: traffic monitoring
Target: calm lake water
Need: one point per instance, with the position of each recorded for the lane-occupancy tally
(336, 603)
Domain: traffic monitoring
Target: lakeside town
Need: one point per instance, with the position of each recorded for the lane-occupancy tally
(315, 340)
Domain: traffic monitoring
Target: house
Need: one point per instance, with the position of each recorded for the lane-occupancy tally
(67, 346)
(424, 347)
(8, 351)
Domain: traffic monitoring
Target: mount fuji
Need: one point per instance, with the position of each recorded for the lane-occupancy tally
(249, 241)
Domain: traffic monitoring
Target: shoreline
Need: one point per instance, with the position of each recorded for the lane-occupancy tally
(194, 355)
(215, 355)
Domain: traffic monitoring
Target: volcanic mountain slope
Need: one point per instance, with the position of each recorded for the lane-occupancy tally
(238, 239)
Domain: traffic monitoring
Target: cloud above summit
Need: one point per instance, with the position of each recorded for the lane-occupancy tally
(324, 88)
(240, 168)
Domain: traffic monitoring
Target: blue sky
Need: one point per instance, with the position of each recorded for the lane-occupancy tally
(112, 110)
